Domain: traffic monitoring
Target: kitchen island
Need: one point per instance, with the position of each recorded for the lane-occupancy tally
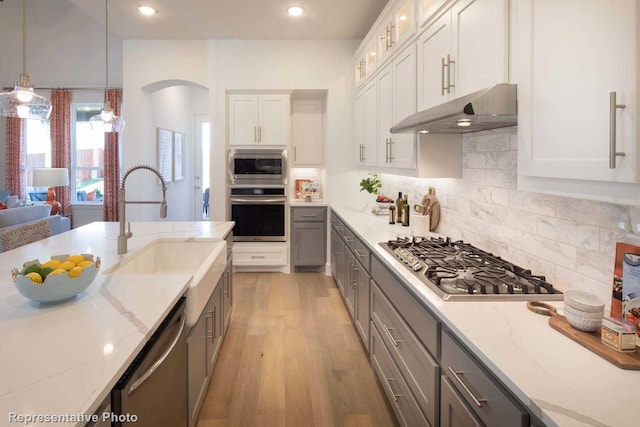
(554, 378)
(61, 360)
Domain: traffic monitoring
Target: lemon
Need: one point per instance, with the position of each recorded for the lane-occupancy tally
(67, 265)
(53, 263)
(75, 272)
(57, 271)
(75, 259)
(35, 277)
(84, 264)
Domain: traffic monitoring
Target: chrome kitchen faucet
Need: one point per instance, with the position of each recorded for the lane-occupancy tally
(123, 236)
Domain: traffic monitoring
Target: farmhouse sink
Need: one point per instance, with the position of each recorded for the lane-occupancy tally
(204, 259)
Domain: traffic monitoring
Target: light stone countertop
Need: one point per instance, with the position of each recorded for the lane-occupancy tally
(556, 378)
(64, 358)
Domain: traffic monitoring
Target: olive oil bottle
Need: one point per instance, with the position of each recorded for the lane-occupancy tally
(399, 208)
(405, 211)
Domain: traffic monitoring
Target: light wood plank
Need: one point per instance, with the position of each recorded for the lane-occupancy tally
(292, 358)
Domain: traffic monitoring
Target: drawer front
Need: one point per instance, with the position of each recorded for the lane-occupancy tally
(309, 214)
(419, 369)
(417, 317)
(404, 405)
(362, 253)
(248, 256)
(486, 398)
(453, 411)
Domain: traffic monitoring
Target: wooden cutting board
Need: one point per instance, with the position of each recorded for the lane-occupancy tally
(590, 340)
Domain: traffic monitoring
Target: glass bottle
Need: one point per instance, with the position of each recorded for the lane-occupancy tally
(399, 210)
(392, 214)
(405, 211)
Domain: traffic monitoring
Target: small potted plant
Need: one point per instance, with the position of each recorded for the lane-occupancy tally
(373, 185)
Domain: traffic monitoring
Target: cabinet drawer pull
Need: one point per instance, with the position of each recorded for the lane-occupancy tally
(613, 107)
(258, 257)
(358, 253)
(387, 331)
(457, 376)
(387, 381)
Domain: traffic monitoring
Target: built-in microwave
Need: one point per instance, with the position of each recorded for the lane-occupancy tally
(257, 166)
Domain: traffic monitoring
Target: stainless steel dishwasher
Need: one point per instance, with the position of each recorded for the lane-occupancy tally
(153, 390)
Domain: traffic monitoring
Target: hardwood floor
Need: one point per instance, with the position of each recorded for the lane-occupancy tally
(292, 358)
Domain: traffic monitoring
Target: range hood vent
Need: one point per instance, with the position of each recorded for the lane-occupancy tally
(491, 108)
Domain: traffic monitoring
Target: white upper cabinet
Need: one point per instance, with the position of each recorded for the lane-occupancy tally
(464, 50)
(571, 57)
(307, 131)
(385, 116)
(365, 124)
(396, 28)
(259, 119)
(427, 9)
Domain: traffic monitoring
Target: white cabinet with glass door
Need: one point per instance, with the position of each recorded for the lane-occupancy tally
(428, 9)
(397, 27)
(577, 97)
(463, 51)
(366, 61)
(259, 119)
(365, 122)
(396, 100)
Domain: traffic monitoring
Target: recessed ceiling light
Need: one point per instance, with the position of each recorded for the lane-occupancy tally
(146, 10)
(464, 122)
(295, 11)
(403, 18)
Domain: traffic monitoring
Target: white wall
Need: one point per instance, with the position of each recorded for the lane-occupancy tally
(570, 241)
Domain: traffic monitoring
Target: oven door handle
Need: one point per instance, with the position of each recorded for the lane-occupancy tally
(258, 200)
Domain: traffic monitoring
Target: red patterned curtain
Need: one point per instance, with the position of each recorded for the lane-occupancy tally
(112, 161)
(15, 156)
(61, 142)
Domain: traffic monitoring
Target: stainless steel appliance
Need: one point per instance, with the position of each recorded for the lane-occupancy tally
(456, 270)
(257, 167)
(260, 214)
(153, 390)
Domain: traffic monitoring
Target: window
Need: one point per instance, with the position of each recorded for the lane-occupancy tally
(37, 155)
(87, 155)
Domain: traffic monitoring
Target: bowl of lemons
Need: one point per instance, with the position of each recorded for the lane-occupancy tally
(58, 279)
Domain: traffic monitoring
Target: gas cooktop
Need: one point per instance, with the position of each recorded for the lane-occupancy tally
(456, 270)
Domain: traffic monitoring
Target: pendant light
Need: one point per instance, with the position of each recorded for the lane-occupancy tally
(23, 102)
(107, 121)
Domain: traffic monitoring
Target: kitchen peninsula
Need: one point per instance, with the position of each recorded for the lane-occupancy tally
(63, 359)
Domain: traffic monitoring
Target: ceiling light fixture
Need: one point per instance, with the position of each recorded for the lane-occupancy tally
(146, 10)
(23, 102)
(107, 121)
(464, 122)
(295, 11)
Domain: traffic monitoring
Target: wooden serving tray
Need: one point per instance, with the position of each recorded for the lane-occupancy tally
(590, 340)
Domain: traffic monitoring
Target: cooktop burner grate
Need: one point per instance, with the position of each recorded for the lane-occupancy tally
(458, 270)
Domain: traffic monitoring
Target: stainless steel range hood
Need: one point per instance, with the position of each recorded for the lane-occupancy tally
(491, 108)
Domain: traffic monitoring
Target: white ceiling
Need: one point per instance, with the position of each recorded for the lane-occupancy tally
(233, 19)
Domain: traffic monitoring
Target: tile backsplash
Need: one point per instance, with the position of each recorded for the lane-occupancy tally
(570, 241)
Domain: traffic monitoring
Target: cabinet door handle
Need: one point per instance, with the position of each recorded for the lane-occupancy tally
(391, 150)
(613, 108)
(255, 134)
(295, 154)
(260, 134)
(457, 376)
(258, 257)
(449, 62)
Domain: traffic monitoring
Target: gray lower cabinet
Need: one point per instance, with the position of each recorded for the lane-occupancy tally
(477, 391)
(419, 368)
(203, 345)
(227, 294)
(338, 260)
(453, 411)
(357, 297)
(308, 236)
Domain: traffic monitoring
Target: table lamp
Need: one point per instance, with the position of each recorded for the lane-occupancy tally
(51, 177)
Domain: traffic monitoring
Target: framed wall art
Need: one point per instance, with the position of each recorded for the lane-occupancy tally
(165, 153)
(178, 156)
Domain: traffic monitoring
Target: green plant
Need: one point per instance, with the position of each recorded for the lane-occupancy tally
(372, 184)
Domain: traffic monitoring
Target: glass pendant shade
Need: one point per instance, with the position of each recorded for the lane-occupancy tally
(107, 121)
(22, 101)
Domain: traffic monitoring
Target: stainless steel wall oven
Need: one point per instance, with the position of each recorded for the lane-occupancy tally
(260, 214)
(257, 167)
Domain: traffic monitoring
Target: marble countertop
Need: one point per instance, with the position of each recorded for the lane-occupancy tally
(63, 359)
(556, 378)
